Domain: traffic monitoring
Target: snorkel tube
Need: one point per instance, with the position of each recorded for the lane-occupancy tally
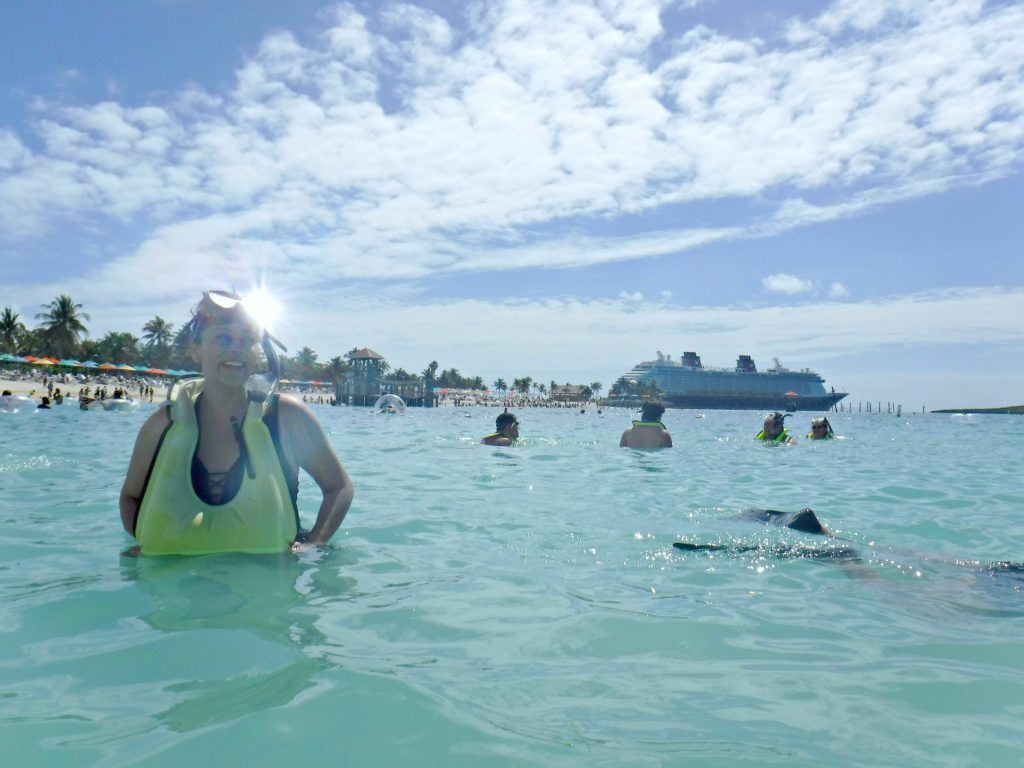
(262, 385)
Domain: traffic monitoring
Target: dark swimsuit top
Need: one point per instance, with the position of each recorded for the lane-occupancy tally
(216, 488)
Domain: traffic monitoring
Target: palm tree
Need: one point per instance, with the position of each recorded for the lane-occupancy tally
(336, 369)
(157, 334)
(305, 363)
(451, 379)
(523, 385)
(119, 347)
(430, 372)
(500, 385)
(595, 387)
(11, 328)
(649, 390)
(62, 323)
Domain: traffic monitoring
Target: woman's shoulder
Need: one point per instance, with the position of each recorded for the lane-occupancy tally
(289, 404)
(159, 419)
(293, 413)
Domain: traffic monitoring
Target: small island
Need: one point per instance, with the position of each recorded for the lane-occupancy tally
(1012, 409)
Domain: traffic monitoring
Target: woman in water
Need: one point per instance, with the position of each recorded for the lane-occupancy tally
(216, 470)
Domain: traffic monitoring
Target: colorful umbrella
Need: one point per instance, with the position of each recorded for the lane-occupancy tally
(68, 362)
(89, 364)
(156, 371)
(108, 367)
(43, 361)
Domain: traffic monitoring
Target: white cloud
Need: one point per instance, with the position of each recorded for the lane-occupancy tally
(635, 296)
(535, 114)
(838, 291)
(788, 284)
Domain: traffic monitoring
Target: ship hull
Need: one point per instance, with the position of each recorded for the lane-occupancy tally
(753, 402)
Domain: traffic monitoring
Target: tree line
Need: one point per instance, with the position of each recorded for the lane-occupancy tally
(61, 332)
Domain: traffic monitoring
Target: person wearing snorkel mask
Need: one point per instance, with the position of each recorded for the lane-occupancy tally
(217, 468)
(820, 429)
(648, 432)
(774, 430)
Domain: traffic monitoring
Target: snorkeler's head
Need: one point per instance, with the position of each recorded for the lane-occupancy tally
(775, 418)
(651, 410)
(505, 419)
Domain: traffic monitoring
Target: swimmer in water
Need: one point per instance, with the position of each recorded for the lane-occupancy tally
(506, 431)
(820, 429)
(774, 431)
(217, 469)
(648, 432)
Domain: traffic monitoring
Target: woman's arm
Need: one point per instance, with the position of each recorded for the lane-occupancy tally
(138, 468)
(313, 453)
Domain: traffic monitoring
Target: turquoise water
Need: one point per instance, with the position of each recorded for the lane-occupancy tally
(524, 606)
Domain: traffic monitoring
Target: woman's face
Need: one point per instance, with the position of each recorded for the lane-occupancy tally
(228, 349)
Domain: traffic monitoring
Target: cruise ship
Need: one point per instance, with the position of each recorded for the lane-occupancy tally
(686, 383)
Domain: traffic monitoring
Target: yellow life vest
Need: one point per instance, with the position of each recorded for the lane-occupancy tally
(172, 519)
(657, 424)
(779, 438)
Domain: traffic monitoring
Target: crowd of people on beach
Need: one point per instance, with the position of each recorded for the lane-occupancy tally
(53, 390)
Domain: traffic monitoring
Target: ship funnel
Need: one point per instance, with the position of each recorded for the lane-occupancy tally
(745, 364)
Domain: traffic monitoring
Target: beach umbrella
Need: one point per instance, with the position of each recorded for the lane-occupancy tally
(43, 361)
(792, 394)
(89, 364)
(68, 362)
(29, 358)
(126, 367)
(108, 367)
(140, 368)
(156, 371)
(7, 358)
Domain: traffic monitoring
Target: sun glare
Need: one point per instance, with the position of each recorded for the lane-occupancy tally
(263, 307)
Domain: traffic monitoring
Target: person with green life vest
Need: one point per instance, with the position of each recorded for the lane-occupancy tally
(774, 431)
(820, 429)
(648, 432)
(217, 469)
(506, 431)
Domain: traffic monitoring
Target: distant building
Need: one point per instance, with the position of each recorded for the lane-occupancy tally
(569, 393)
(366, 380)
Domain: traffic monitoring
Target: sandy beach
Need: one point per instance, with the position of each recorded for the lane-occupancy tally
(28, 386)
(36, 389)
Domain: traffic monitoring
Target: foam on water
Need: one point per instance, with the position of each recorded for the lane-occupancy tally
(525, 606)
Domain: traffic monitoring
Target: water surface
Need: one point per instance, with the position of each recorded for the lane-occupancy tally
(525, 606)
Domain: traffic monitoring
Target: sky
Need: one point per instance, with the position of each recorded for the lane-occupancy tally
(547, 188)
